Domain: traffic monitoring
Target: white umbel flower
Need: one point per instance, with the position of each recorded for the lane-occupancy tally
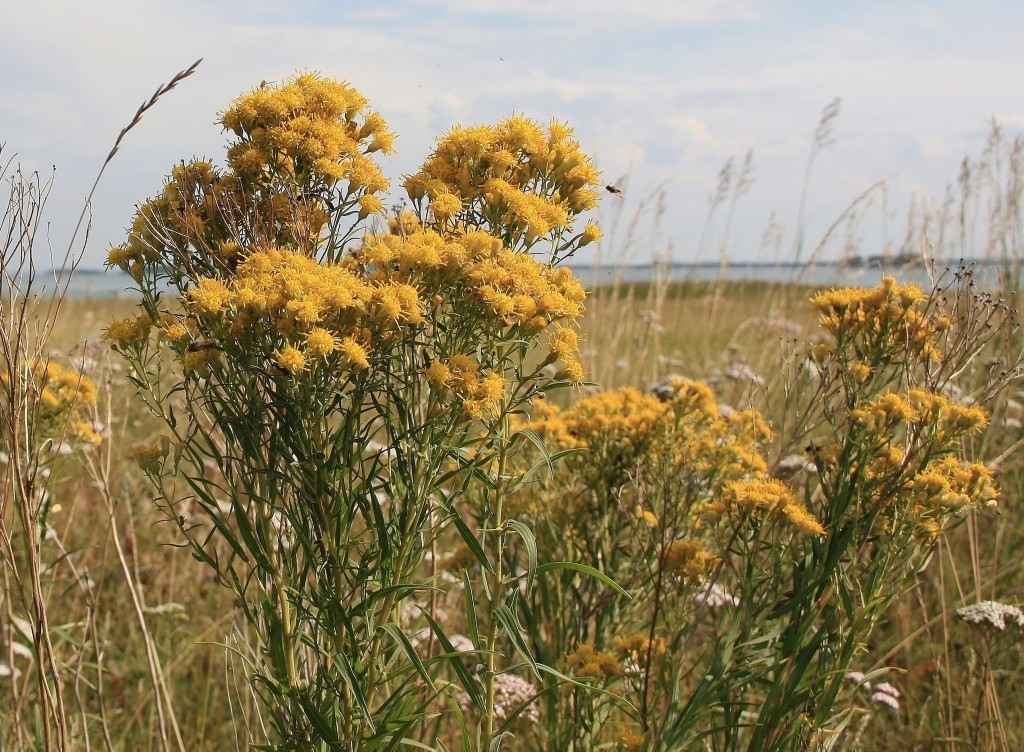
(991, 613)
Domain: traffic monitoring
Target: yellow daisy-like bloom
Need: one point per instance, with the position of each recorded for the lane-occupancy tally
(591, 234)
(765, 495)
(860, 371)
(572, 371)
(128, 332)
(369, 204)
(438, 374)
(149, 456)
(445, 205)
(354, 354)
(291, 360)
(176, 330)
(121, 256)
(319, 342)
(564, 343)
(210, 296)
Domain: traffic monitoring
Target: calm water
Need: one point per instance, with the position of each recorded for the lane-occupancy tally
(92, 284)
(986, 275)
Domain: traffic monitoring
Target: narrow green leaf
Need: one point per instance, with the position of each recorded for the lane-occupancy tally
(552, 566)
(472, 623)
(455, 661)
(531, 550)
(538, 442)
(470, 540)
(403, 642)
(316, 718)
(498, 739)
(349, 675)
(511, 626)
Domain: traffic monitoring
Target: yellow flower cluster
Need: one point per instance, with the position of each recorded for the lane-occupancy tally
(586, 661)
(150, 456)
(319, 309)
(313, 129)
(461, 375)
(271, 275)
(880, 319)
(950, 487)
(638, 646)
(742, 498)
(624, 427)
(689, 560)
(63, 389)
(297, 142)
(128, 332)
(177, 330)
(944, 420)
(707, 442)
(190, 212)
(511, 287)
(63, 396)
(472, 274)
(626, 421)
(517, 175)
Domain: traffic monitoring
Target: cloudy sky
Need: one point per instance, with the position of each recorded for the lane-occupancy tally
(662, 93)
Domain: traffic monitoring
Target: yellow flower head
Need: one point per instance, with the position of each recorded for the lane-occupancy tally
(291, 360)
(689, 560)
(369, 204)
(445, 205)
(312, 128)
(591, 234)
(438, 374)
(585, 661)
(129, 332)
(564, 343)
(319, 342)
(354, 354)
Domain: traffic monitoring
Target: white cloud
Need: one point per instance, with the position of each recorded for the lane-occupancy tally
(658, 90)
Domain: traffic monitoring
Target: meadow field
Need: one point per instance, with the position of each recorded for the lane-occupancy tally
(417, 489)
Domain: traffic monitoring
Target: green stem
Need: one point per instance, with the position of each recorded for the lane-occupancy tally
(497, 592)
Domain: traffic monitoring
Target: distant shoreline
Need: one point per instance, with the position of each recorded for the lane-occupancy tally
(98, 283)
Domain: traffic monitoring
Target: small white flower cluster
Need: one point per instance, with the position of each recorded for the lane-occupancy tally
(511, 691)
(882, 693)
(714, 595)
(743, 372)
(993, 613)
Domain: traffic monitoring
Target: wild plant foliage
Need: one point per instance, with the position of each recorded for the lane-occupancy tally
(333, 376)
(360, 443)
(757, 585)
